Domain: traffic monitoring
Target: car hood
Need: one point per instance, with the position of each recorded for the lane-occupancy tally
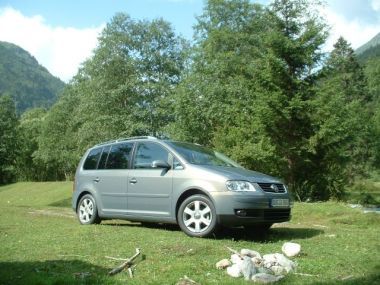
(236, 173)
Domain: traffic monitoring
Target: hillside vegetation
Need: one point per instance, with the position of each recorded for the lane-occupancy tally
(369, 50)
(43, 243)
(27, 82)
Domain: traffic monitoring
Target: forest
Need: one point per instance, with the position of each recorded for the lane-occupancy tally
(255, 84)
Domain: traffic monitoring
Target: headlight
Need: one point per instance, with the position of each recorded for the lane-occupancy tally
(236, 185)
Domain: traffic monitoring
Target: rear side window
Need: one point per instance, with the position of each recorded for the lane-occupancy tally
(92, 159)
(119, 156)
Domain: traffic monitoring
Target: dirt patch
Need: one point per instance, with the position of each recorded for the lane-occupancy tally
(66, 213)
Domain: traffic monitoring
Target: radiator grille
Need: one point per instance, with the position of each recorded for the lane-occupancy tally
(272, 187)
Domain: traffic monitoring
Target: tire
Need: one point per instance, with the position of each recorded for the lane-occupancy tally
(87, 210)
(197, 216)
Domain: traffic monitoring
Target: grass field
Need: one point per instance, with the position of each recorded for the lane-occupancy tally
(43, 243)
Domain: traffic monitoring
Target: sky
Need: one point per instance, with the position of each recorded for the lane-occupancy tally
(61, 34)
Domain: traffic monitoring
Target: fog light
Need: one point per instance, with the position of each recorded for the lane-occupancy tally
(241, 213)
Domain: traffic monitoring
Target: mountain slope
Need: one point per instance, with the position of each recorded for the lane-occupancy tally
(370, 49)
(25, 80)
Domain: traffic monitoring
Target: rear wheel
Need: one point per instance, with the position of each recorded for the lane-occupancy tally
(197, 216)
(87, 210)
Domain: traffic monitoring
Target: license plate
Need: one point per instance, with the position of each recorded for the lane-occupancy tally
(280, 203)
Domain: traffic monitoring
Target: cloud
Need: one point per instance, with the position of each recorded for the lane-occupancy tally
(376, 5)
(353, 30)
(60, 49)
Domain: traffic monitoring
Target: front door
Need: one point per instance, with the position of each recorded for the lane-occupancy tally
(149, 189)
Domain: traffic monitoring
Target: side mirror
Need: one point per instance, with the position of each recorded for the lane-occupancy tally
(160, 164)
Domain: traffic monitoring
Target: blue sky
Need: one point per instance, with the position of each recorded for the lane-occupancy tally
(62, 33)
(92, 13)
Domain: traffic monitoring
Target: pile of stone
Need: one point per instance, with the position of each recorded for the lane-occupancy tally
(253, 266)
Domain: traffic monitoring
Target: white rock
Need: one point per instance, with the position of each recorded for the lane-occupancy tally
(265, 278)
(250, 253)
(264, 270)
(247, 268)
(222, 264)
(278, 270)
(234, 270)
(278, 259)
(291, 249)
(257, 262)
(236, 259)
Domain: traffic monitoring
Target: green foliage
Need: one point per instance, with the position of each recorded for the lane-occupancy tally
(341, 134)
(372, 71)
(121, 91)
(255, 85)
(28, 83)
(57, 142)
(252, 80)
(28, 167)
(134, 69)
(369, 50)
(8, 139)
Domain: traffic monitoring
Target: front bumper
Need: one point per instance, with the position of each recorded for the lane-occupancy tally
(245, 208)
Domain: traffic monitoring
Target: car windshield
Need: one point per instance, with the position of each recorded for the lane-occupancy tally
(197, 154)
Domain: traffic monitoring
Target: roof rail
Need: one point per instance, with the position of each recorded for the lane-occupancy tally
(127, 139)
(137, 138)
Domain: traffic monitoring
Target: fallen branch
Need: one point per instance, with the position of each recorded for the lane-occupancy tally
(126, 264)
(186, 281)
(305, 274)
(117, 258)
(233, 251)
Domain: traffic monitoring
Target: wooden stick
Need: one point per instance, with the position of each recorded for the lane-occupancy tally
(125, 264)
(116, 258)
(130, 272)
(235, 252)
(305, 274)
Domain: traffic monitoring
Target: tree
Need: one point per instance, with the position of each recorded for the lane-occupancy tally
(340, 139)
(372, 72)
(251, 83)
(8, 139)
(28, 166)
(121, 91)
(58, 148)
(126, 84)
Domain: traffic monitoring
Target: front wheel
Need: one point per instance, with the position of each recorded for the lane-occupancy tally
(197, 216)
(87, 210)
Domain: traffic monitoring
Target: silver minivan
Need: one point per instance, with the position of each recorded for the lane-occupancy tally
(146, 179)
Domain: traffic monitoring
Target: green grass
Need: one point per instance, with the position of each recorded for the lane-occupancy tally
(43, 243)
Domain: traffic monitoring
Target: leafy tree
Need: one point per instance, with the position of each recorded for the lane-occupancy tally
(58, 146)
(252, 80)
(126, 84)
(27, 165)
(8, 139)
(123, 90)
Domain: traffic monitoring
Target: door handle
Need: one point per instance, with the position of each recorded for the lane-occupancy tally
(133, 181)
(96, 179)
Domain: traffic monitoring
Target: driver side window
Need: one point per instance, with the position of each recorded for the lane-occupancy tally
(148, 152)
